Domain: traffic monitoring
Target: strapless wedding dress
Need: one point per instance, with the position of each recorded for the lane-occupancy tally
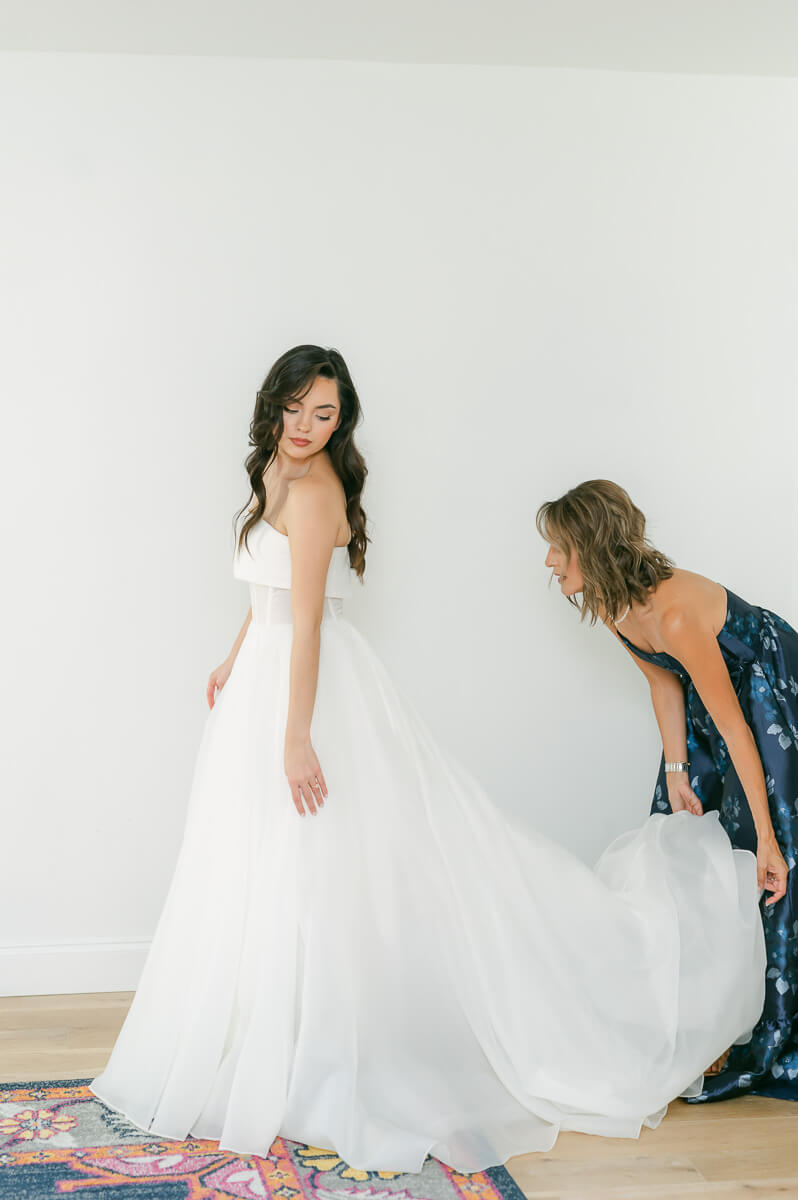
(410, 972)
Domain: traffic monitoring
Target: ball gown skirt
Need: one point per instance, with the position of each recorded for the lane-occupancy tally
(761, 653)
(410, 972)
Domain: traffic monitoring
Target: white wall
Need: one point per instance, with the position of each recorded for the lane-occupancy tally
(535, 276)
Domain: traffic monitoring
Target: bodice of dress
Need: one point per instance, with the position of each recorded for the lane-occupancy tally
(265, 563)
(267, 560)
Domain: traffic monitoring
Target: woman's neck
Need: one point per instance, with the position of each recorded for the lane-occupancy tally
(288, 468)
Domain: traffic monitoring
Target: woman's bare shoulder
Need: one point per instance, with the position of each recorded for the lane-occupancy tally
(689, 596)
(317, 496)
(325, 485)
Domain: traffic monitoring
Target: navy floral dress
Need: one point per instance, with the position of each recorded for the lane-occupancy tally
(761, 653)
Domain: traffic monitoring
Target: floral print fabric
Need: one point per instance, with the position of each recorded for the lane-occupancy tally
(761, 652)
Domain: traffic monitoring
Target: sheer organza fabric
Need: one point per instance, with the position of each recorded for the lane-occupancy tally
(410, 972)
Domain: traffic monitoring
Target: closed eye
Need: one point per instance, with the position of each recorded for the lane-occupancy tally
(318, 417)
(294, 411)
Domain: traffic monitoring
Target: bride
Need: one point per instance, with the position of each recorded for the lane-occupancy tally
(358, 950)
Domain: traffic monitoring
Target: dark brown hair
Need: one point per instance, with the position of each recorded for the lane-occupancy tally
(619, 565)
(288, 379)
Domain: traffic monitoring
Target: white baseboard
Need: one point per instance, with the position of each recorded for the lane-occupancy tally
(65, 968)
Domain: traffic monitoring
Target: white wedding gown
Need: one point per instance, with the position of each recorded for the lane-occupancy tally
(409, 972)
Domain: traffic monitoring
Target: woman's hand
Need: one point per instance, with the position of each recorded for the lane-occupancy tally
(681, 795)
(305, 777)
(771, 869)
(217, 679)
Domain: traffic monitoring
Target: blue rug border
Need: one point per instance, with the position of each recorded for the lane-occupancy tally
(30, 1083)
(503, 1181)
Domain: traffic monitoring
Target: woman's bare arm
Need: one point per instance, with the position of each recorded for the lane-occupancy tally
(312, 523)
(242, 632)
(667, 699)
(219, 676)
(696, 647)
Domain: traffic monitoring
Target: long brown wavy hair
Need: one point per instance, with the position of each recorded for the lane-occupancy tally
(619, 565)
(289, 378)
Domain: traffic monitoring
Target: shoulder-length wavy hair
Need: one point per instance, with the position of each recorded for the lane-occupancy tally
(619, 565)
(289, 378)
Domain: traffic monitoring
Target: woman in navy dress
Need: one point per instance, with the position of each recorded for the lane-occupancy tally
(723, 675)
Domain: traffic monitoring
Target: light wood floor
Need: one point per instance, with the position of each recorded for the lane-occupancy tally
(747, 1147)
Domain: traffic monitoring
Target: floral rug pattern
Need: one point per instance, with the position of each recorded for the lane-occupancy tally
(58, 1139)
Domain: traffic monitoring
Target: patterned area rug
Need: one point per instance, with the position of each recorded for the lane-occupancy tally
(57, 1138)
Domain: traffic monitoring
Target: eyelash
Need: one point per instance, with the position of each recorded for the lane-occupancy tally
(318, 418)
